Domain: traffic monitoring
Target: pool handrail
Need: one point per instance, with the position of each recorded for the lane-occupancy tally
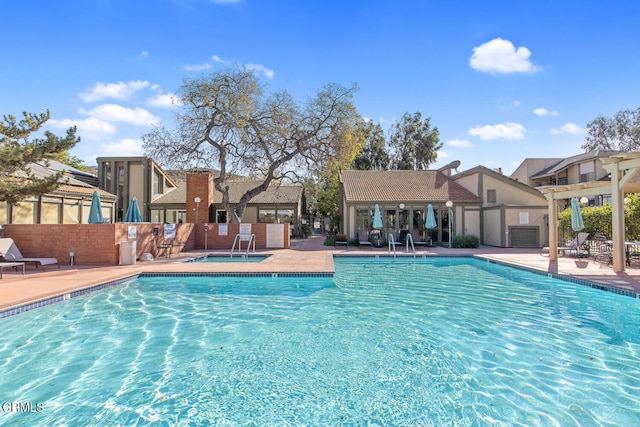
(252, 238)
(391, 243)
(408, 239)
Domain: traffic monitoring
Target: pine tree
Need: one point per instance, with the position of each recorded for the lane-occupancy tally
(18, 151)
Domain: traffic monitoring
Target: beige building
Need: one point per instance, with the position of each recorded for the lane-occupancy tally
(403, 197)
(582, 168)
(141, 177)
(68, 204)
(278, 204)
(512, 214)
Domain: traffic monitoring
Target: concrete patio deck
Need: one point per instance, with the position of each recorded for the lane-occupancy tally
(308, 256)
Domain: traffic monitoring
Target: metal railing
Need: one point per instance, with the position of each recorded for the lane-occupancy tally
(237, 239)
(409, 239)
(391, 243)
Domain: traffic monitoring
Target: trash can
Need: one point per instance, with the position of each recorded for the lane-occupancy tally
(128, 250)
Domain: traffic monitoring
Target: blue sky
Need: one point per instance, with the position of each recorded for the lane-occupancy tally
(502, 80)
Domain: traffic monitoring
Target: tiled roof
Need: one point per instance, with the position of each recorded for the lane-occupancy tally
(403, 186)
(69, 184)
(176, 196)
(284, 194)
(84, 191)
(570, 161)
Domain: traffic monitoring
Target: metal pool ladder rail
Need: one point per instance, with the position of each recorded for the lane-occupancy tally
(236, 239)
(409, 238)
(392, 243)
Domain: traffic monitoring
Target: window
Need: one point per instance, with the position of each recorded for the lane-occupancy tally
(158, 182)
(221, 216)
(50, 211)
(363, 219)
(491, 196)
(71, 212)
(267, 215)
(24, 213)
(285, 216)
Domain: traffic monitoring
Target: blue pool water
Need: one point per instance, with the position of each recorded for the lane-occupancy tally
(438, 342)
(228, 258)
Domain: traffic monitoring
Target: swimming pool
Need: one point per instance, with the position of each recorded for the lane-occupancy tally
(228, 258)
(434, 342)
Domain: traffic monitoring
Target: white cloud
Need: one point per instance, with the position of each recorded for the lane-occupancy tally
(90, 128)
(459, 143)
(121, 91)
(124, 147)
(143, 55)
(268, 73)
(197, 67)
(442, 154)
(500, 56)
(544, 112)
(570, 128)
(117, 113)
(507, 130)
(166, 100)
(219, 60)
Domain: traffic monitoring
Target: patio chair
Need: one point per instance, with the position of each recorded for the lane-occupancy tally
(10, 252)
(417, 240)
(363, 238)
(576, 246)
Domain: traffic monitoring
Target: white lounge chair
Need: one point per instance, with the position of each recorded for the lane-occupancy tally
(10, 252)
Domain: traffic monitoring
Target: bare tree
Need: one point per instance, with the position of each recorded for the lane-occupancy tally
(229, 122)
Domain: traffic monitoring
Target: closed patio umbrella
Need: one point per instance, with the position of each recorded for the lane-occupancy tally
(577, 222)
(133, 211)
(95, 212)
(431, 218)
(377, 218)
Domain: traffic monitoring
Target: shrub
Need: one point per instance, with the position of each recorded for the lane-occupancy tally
(465, 241)
(330, 240)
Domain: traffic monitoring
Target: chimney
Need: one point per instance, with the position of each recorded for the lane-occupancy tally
(199, 184)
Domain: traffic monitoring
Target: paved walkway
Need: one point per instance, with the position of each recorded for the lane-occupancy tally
(309, 255)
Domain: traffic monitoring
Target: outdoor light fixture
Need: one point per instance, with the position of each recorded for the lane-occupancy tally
(197, 200)
(401, 206)
(449, 204)
(584, 199)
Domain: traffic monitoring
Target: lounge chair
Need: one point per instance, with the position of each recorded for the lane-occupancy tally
(363, 238)
(417, 240)
(575, 247)
(341, 240)
(10, 252)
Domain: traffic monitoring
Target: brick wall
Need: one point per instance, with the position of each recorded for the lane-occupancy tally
(199, 184)
(215, 241)
(92, 244)
(97, 244)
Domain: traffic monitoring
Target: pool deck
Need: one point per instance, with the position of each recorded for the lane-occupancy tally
(304, 256)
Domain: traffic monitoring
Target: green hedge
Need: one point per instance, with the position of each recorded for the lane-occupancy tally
(598, 219)
(465, 241)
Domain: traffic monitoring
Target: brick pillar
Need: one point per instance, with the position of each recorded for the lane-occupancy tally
(199, 184)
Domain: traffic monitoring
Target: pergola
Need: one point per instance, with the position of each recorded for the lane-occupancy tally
(623, 168)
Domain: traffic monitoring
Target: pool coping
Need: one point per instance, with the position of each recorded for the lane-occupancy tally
(66, 295)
